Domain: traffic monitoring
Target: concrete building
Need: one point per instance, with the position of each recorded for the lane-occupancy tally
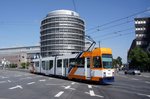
(18, 55)
(142, 37)
(142, 32)
(62, 32)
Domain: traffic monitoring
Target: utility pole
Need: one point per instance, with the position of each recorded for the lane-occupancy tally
(99, 43)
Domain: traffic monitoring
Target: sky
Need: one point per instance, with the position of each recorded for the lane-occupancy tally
(20, 21)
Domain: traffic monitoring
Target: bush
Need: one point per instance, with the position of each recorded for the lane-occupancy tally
(13, 65)
(25, 65)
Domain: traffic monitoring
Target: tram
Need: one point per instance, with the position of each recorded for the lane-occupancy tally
(95, 65)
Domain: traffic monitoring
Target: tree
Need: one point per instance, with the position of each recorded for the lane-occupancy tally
(114, 63)
(139, 59)
(117, 63)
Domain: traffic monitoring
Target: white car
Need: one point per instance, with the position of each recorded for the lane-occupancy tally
(132, 71)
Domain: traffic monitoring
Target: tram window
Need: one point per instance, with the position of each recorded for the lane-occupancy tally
(43, 65)
(59, 63)
(107, 60)
(46, 65)
(37, 64)
(50, 64)
(72, 61)
(80, 61)
(88, 62)
(65, 63)
(97, 62)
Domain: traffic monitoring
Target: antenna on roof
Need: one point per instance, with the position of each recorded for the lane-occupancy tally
(74, 5)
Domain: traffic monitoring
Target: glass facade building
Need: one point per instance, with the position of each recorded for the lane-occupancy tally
(62, 32)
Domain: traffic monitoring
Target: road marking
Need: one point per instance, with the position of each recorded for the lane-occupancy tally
(95, 95)
(59, 94)
(123, 76)
(51, 78)
(99, 96)
(30, 83)
(143, 95)
(9, 81)
(18, 75)
(42, 80)
(4, 77)
(67, 87)
(2, 82)
(92, 93)
(54, 84)
(26, 78)
(89, 86)
(73, 83)
(146, 76)
(18, 86)
(134, 79)
(147, 82)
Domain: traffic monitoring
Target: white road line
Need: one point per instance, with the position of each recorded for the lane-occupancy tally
(92, 93)
(26, 78)
(134, 79)
(30, 83)
(147, 82)
(42, 80)
(59, 94)
(2, 82)
(9, 81)
(73, 83)
(146, 76)
(18, 86)
(89, 86)
(67, 87)
(54, 84)
(143, 95)
(4, 77)
(51, 78)
(123, 76)
(18, 75)
(95, 95)
(99, 96)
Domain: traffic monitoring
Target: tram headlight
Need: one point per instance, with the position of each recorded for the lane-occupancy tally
(104, 74)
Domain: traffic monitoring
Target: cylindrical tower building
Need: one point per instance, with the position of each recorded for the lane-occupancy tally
(62, 32)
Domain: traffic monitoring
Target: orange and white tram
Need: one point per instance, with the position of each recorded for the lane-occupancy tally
(95, 65)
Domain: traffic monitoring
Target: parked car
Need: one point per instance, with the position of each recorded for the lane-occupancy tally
(132, 71)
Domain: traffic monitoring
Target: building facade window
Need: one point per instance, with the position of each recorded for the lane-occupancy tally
(138, 42)
(140, 29)
(140, 22)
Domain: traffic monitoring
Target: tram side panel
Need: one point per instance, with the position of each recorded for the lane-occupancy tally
(63, 67)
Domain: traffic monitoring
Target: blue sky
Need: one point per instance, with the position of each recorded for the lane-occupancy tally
(20, 21)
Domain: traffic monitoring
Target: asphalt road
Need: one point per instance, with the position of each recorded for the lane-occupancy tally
(23, 85)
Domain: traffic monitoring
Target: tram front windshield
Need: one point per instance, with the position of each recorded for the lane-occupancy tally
(107, 60)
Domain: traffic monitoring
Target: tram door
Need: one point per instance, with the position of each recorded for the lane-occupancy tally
(46, 67)
(87, 68)
(65, 65)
